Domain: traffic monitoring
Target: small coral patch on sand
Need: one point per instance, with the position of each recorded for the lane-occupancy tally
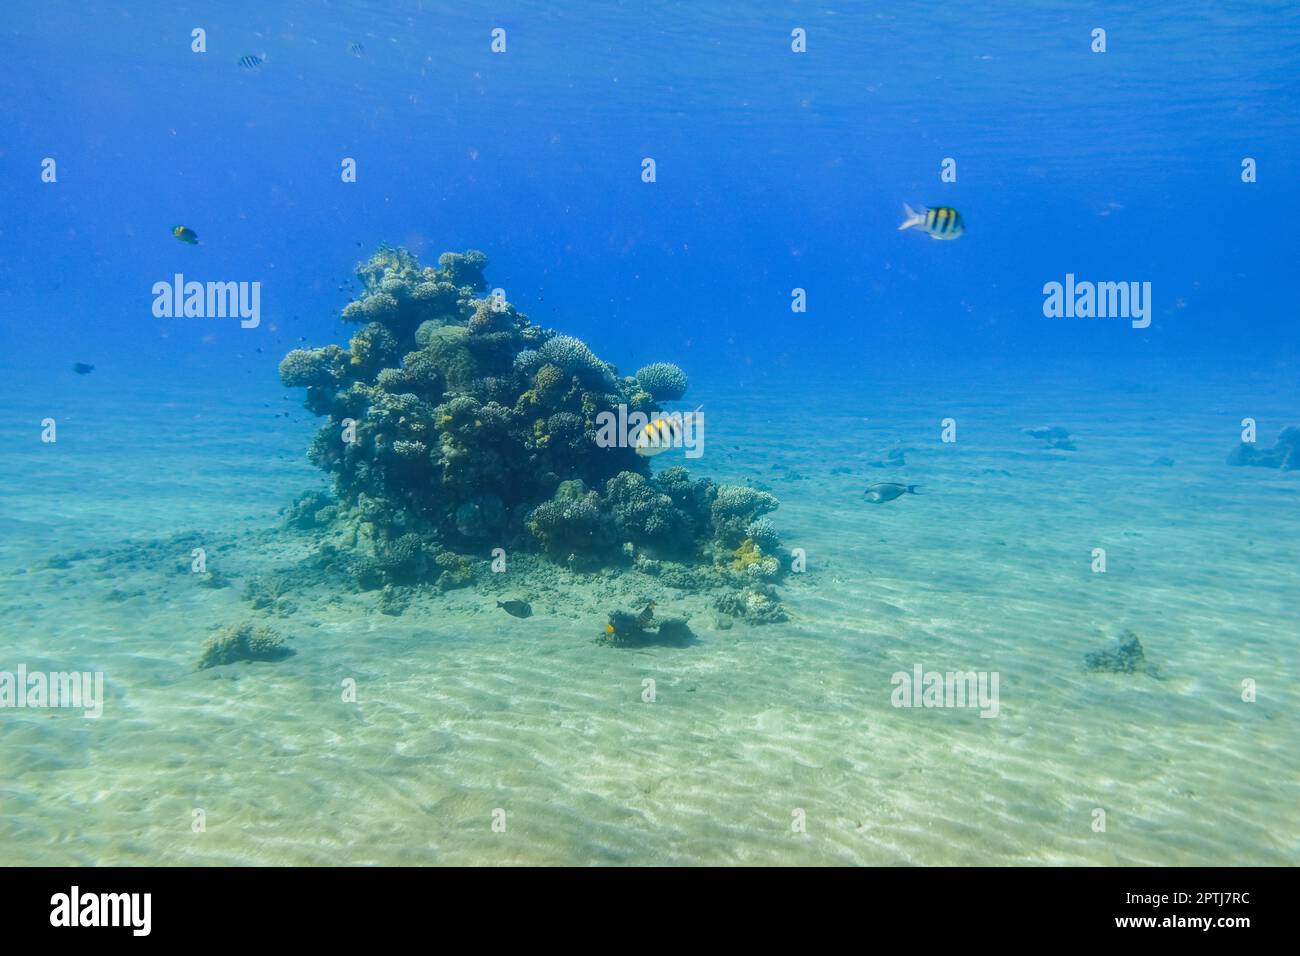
(1126, 657)
(1285, 453)
(756, 605)
(629, 629)
(242, 642)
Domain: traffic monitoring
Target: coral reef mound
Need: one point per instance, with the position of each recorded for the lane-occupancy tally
(454, 426)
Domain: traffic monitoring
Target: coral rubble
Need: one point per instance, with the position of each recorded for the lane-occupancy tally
(455, 426)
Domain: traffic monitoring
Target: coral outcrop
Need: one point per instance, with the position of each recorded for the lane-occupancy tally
(1285, 453)
(242, 642)
(629, 629)
(1126, 657)
(455, 426)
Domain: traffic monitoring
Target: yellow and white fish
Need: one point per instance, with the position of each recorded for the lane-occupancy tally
(658, 435)
(941, 222)
(662, 432)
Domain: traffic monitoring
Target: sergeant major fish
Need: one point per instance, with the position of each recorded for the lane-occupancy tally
(671, 430)
(658, 435)
(941, 222)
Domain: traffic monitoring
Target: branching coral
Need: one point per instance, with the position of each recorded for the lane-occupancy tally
(572, 357)
(734, 508)
(663, 380)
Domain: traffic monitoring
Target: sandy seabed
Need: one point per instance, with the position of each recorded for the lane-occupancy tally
(462, 710)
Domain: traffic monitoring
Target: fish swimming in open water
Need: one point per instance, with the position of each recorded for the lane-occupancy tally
(81, 368)
(883, 491)
(658, 435)
(516, 608)
(186, 234)
(941, 222)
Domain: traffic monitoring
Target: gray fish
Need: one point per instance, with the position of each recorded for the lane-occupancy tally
(516, 608)
(895, 458)
(1047, 433)
(883, 491)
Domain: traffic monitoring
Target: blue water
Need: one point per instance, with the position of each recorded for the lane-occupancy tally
(775, 171)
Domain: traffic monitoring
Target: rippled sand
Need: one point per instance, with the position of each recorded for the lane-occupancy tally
(462, 710)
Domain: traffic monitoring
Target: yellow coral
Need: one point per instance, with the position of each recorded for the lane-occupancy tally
(748, 553)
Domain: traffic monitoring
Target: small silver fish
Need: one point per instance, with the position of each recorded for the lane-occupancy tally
(882, 491)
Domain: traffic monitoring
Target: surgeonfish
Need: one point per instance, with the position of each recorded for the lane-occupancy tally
(941, 222)
(186, 234)
(516, 608)
(882, 491)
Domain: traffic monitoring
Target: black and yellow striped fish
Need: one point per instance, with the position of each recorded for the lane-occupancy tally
(658, 435)
(941, 222)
